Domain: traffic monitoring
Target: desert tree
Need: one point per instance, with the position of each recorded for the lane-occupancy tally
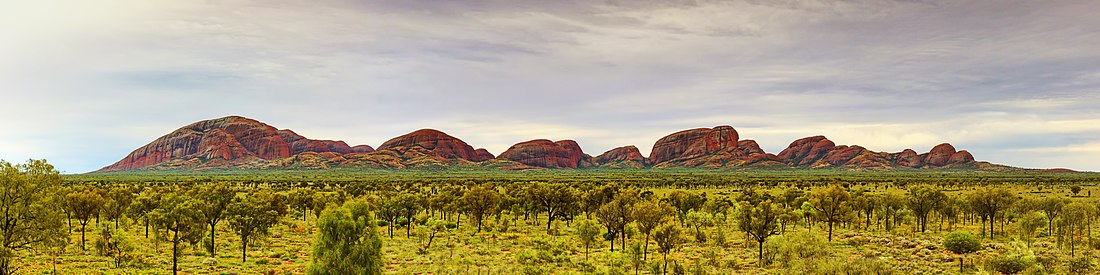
(587, 231)
(145, 202)
(118, 201)
(347, 242)
(832, 206)
(554, 199)
(1052, 207)
(961, 243)
(301, 200)
(760, 221)
(648, 214)
(389, 210)
(988, 202)
(250, 216)
(32, 216)
(410, 203)
(212, 200)
(668, 235)
(699, 220)
(1075, 189)
(923, 199)
(1074, 221)
(685, 202)
(181, 217)
(480, 202)
(608, 216)
(1029, 224)
(85, 205)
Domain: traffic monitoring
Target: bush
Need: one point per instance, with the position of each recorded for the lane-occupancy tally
(961, 242)
(801, 249)
(1080, 265)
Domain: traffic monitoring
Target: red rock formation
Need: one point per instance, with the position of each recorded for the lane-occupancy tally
(940, 155)
(840, 155)
(226, 138)
(483, 155)
(806, 151)
(435, 142)
(961, 157)
(300, 144)
(908, 158)
(694, 143)
(545, 153)
(362, 149)
(625, 153)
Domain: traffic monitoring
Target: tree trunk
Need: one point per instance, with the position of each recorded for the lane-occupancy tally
(244, 249)
(82, 227)
(212, 243)
(175, 252)
(760, 254)
(645, 251)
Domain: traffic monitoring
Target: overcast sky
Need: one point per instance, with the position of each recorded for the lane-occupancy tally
(83, 83)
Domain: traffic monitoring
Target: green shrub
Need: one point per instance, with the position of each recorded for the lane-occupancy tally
(802, 249)
(1080, 265)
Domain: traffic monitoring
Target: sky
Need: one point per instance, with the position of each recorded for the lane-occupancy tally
(84, 82)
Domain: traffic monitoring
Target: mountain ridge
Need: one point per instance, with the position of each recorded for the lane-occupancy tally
(243, 143)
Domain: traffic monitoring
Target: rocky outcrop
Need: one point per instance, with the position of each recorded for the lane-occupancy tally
(243, 143)
(300, 144)
(694, 143)
(908, 158)
(433, 141)
(362, 149)
(547, 154)
(621, 157)
(806, 151)
(227, 138)
(483, 155)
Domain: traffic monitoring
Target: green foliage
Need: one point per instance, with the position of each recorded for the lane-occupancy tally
(32, 216)
(114, 244)
(479, 202)
(179, 214)
(1014, 261)
(669, 236)
(797, 250)
(212, 201)
(923, 199)
(832, 206)
(84, 205)
(347, 242)
(961, 242)
(587, 232)
(250, 216)
(760, 222)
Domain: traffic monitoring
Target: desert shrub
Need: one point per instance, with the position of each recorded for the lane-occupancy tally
(1080, 265)
(1016, 260)
(802, 249)
(829, 266)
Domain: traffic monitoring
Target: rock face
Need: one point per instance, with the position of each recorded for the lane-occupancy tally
(806, 151)
(694, 143)
(545, 153)
(300, 144)
(908, 158)
(362, 149)
(229, 140)
(622, 157)
(483, 154)
(243, 143)
(432, 141)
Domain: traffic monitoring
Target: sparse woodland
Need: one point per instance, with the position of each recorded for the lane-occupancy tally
(547, 222)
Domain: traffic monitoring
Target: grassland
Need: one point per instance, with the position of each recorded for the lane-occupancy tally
(519, 243)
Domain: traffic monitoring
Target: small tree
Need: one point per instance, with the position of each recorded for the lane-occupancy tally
(179, 216)
(553, 199)
(410, 204)
(700, 221)
(144, 203)
(1052, 207)
(609, 217)
(250, 216)
(212, 200)
(118, 201)
(760, 222)
(961, 243)
(1029, 224)
(347, 242)
(85, 205)
(115, 245)
(648, 215)
(480, 202)
(668, 235)
(32, 213)
(988, 202)
(587, 231)
(923, 200)
(832, 206)
(1075, 189)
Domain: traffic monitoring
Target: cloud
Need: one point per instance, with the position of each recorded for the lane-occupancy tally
(991, 77)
